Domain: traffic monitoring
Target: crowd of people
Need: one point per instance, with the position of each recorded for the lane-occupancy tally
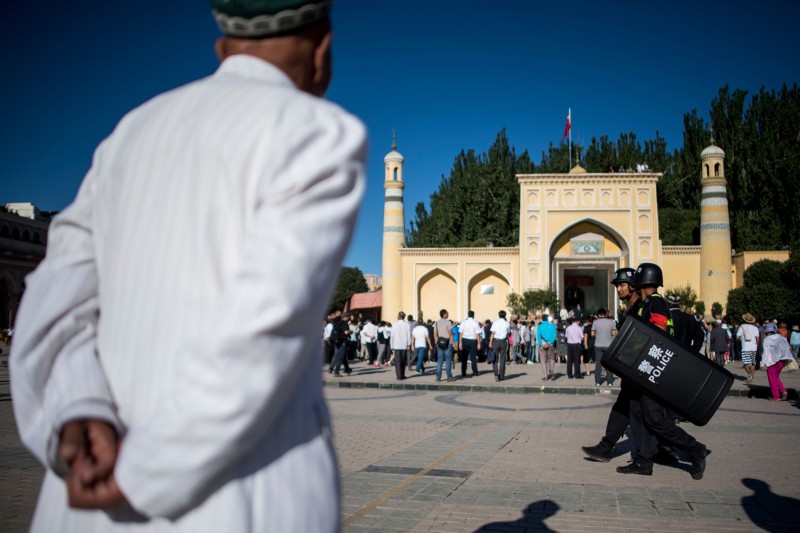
(542, 340)
(573, 338)
(765, 344)
(447, 343)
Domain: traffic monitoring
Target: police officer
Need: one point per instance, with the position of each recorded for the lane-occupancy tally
(688, 330)
(645, 412)
(624, 280)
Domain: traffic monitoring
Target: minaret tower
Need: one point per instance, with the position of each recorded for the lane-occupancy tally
(393, 234)
(715, 229)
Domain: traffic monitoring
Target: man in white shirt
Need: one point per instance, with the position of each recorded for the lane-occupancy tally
(401, 344)
(187, 227)
(369, 336)
(421, 345)
(326, 337)
(499, 342)
(748, 336)
(468, 338)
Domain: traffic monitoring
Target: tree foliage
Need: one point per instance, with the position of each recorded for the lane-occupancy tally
(351, 281)
(763, 272)
(678, 227)
(770, 290)
(700, 307)
(478, 204)
(532, 301)
(764, 301)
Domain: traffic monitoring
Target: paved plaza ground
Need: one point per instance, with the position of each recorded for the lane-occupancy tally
(417, 455)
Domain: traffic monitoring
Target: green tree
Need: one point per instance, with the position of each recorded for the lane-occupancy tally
(700, 307)
(537, 300)
(351, 281)
(716, 309)
(764, 272)
(764, 301)
(677, 227)
(477, 204)
(515, 304)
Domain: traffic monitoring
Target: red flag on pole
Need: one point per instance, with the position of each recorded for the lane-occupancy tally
(569, 124)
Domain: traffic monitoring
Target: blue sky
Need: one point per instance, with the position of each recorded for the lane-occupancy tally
(445, 75)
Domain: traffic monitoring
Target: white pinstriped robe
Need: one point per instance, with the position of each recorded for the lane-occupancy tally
(175, 300)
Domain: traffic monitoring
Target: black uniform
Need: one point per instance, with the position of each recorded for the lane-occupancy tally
(688, 331)
(619, 418)
(647, 414)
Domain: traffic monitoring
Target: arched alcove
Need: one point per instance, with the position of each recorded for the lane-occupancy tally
(488, 291)
(437, 290)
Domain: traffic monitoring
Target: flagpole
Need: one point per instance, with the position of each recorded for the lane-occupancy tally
(569, 114)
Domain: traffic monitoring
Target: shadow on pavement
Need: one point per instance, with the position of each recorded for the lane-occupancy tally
(769, 511)
(533, 518)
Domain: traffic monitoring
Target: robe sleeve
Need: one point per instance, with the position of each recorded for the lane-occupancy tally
(55, 373)
(229, 390)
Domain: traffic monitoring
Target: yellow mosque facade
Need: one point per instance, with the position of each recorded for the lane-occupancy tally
(576, 229)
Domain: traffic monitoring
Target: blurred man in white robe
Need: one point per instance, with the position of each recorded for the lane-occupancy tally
(162, 368)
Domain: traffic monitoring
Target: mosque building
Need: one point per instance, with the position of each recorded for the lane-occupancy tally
(576, 229)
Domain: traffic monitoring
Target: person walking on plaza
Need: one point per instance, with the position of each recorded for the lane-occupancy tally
(688, 331)
(603, 331)
(719, 343)
(421, 344)
(499, 341)
(546, 339)
(647, 414)
(574, 338)
(444, 345)
(383, 343)
(794, 340)
(369, 336)
(327, 341)
(748, 335)
(624, 280)
(340, 334)
(470, 334)
(172, 307)
(775, 355)
(486, 348)
(401, 344)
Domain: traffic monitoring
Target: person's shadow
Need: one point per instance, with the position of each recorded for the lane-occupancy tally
(770, 511)
(533, 518)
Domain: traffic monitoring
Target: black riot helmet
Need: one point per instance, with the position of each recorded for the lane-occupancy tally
(624, 275)
(649, 275)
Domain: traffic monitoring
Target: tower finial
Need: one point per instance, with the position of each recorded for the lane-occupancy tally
(394, 140)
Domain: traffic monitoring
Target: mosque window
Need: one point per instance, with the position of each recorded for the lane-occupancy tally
(36, 238)
(395, 174)
(4, 231)
(26, 236)
(716, 170)
(15, 233)
(708, 172)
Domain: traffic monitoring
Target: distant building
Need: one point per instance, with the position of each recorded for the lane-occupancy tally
(575, 230)
(23, 240)
(373, 282)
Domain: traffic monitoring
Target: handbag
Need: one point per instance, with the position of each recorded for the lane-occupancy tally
(443, 343)
(791, 366)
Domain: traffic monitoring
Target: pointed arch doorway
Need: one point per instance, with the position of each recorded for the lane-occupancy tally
(583, 259)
